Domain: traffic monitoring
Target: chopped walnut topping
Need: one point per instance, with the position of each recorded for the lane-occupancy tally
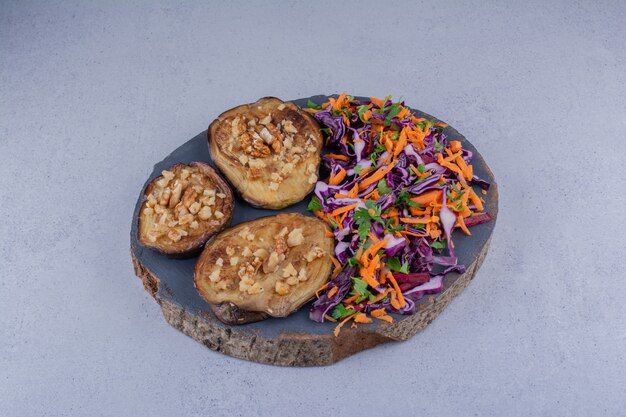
(209, 192)
(230, 251)
(174, 235)
(234, 260)
(189, 197)
(271, 265)
(218, 214)
(219, 262)
(267, 119)
(280, 245)
(311, 149)
(288, 126)
(185, 219)
(273, 186)
(246, 251)
(311, 168)
(256, 288)
(302, 275)
(283, 232)
(148, 211)
(250, 237)
(215, 275)
(314, 253)
(176, 193)
(238, 126)
(289, 271)
(221, 195)
(261, 253)
(153, 235)
(243, 159)
(281, 106)
(205, 213)
(266, 135)
(194, 224)
(312, 179)
(195, 208)
(165, 197)
(295, 238)
(281, 288)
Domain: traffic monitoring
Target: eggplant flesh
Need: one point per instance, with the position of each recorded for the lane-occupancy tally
(183, 208)
(268, 150)
(268, 267)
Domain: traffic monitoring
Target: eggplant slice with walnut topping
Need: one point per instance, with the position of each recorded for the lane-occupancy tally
(183, 208)
(268, 150)
(265, 267)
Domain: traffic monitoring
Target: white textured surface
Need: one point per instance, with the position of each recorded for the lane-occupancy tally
(91, 97)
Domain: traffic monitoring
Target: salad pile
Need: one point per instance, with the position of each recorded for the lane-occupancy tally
(396, 191)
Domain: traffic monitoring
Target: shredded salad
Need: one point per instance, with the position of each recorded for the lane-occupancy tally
(396, 190)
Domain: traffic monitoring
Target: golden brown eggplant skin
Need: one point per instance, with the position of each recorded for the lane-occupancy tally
(183, 208)
(270, 266)
(268, 150)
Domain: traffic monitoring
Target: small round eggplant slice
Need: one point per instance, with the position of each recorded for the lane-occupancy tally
(268, 150)
(183, 208)
(272, 265)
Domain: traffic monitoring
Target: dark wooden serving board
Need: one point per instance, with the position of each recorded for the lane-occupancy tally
(294, 340)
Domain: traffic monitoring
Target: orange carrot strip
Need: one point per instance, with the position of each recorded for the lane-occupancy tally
(322, 288)
(483, 192)
(375, 177)
(353, 192)
(332, 292)
(386, 318)
(378, 312)
(394, 301)
(381, 296)
(461, 224)
(375, 247)
(351, 299)
(335, 262)
(476, 200)
(341, 323)
(428, 197)
(380, 103)
(402, 140)
(328, 233)
(407, 233)
(397, 288)
(343, 209)
(362, 318)
(336, 156)
(338, 177)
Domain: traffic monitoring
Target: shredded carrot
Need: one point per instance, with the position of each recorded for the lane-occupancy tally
(341, 323)
(476, 200)
(362, 318)
(338, 177)
(336, 156)
(328, 233)
(332, 292)
(380, 103)
(375, 177)
(343, 209)
(484, 192)
(322, 288)
(378, 312)
(428, 197)
(462, 225)
(386, 318)
(397, 288)
(351, 299)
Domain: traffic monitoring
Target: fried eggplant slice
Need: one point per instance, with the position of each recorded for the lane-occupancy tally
(272, 265)
(268, 150)
(183, 208)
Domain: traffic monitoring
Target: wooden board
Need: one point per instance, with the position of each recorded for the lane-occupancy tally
(294, 340)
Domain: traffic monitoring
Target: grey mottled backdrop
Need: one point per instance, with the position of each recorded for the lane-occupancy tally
(93, 93)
